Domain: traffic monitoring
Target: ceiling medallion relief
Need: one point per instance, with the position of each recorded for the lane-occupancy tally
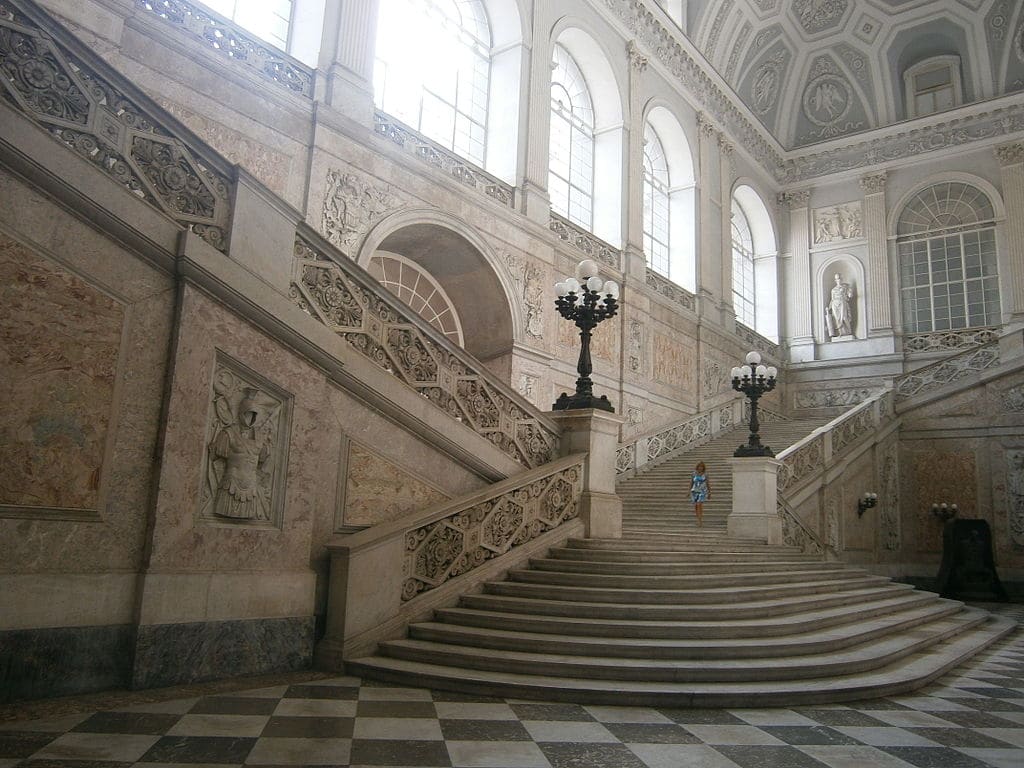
(819, 15)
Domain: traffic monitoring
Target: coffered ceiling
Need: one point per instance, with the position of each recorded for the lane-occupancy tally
(816, 70)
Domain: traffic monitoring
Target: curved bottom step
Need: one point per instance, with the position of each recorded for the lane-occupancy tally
(908, 674)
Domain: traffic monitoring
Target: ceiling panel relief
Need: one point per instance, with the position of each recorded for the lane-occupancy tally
(817, 16)
(830, 105)
(762, 87)
(1013, 56)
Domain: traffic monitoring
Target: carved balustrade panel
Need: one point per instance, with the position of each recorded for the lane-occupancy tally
(467, 538)
(396, 343)
(946, 341)
(665, 287)
(852, 429)
(418, 145)
(592, 247)
(764, 415)
(625, 458)
(88, 113)
(796, 534)
(802, 464)
(228, 39)
(945, 372)
(757, 341)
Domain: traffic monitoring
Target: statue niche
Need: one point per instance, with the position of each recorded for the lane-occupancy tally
(839, 319)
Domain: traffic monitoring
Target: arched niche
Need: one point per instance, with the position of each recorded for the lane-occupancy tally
(851, 278)
(465, 267)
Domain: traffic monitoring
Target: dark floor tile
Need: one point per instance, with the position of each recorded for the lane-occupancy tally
(562, 755)
(72, 764)
(769, 757)
(467, 698)
(23, 743)
(404, 753)
(284, 727)
(346, 692)
(996, 692)
(984, 704)
(802, 735)
(934, 757)
(396, 709)
(976, 719)
(234, 705)
(873, 704)
(702, 717)
(841, 717)
(561, 712)
(483, 730)
(651, 733)
(960, 737)
(199, 749)
(142, 723)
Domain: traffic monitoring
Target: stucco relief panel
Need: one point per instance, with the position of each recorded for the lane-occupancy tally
(1015, 496)
(377, 490)
(941, 476)
(530, 281)
(714, 371)
(602, 340)
(674, 361)
(61, 342)
(352, 204)
(838, 222)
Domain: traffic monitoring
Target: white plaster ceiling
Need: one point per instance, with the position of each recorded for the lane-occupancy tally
(815, 70)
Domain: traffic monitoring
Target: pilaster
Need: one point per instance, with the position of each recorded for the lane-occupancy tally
(534, 201)
(634, 223)
(801, 332)
(709, 217)
(1011, 168)
(879, 304)
(725, 168)
(346, 58)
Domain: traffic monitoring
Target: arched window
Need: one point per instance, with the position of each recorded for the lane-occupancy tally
(417, 288)
(433, 70)
(571, 151)
(743, 288)
(656, 203)
(946, 242)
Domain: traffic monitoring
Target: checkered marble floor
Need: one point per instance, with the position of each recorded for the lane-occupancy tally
(971, 718)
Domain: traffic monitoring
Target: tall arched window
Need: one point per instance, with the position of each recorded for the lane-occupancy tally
(571, 151)
(656, 203)
(743, 288)
(433, 70)
(946, 241)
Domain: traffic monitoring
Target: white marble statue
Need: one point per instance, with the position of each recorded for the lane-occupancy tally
(838, 313)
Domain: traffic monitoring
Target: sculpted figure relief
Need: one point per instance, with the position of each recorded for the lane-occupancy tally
(839, 313)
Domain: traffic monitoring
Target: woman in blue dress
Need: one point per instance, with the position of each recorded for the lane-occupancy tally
(700, 491)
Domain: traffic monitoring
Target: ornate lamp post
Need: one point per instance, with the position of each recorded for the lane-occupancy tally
(579, 300)
(754, 380)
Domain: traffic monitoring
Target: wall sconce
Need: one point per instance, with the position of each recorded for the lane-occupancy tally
(866, 502)
(944, 511)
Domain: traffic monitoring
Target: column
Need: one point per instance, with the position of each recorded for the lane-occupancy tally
(798, 289)
(878, 279)
(1011, 168)
(709, 217)
(346, 58)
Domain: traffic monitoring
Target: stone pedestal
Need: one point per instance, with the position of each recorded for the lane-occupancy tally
(596, 433)
(754, 513)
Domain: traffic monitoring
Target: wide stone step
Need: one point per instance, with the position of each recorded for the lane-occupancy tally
(766, 624)
(817, 641)
(567, 565)
(834, 663)
(672, 556)
(683, 583)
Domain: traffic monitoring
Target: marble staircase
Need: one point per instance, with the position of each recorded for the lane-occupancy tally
(672, 615)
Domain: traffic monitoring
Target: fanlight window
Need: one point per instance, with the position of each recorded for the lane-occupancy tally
(269, 20)
(417, 288)
(743, 289)
(433, 70)
(656, 203)
(571, 151)
(947, 253)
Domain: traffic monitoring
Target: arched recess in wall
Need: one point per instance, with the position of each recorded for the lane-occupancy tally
(946, 232)
(851, 288)
(458, 260)
(607, 129)
(679, 193)
(452, 70)
(759, 283)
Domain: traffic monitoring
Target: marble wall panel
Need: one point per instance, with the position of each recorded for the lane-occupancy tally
(940, 475)
(675, 361)
(378, 490)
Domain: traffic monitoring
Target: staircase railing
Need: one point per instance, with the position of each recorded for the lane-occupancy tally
(388, 575)
(946, 371)
(796, 534)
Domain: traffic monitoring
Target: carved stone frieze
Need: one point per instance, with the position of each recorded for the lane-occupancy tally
(943, 341)
(86, 112)
(352, 204)
(469, 537)
(889, 501)
(1015, 495)
(946, 371)
(801, 464)
(838, 222)
(831, 398)
(530, 281)
(714, 375)
(635, 343)
(674, 361)
(851, 429)
(246, 459)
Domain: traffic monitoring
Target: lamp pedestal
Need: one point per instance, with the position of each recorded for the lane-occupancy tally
(596, 433)
(754, 497)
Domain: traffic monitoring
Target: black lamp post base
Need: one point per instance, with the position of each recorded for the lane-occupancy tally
(753, 451)
(577, 401)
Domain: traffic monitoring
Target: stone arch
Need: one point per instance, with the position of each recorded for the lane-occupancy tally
(985, 186)
(468, 270)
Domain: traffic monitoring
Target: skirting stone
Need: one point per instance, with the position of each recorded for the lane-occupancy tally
(172, 654)
(63, 661)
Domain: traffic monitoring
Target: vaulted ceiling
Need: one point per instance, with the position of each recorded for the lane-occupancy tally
(815, 70)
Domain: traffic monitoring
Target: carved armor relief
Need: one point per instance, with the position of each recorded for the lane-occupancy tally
(352, 204)
(246, 456)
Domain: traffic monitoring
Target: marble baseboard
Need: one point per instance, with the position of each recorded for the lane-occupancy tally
(173, 654)
(63, 661)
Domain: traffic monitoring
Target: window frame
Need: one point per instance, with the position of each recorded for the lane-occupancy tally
(572, 115)
(950, 62)
(743, 251)
(656, 190)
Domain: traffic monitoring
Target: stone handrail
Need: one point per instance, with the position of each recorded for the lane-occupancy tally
(590, 245)
(946, 371)
(418, 145)
(796, 534)
(665, 287)
(393, 572)
(228, 39)
(812, 456)
(87, 107)
(332, 289)
(946, 341)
